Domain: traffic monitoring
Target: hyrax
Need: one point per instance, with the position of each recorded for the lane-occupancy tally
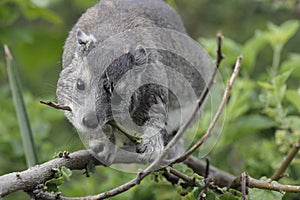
(129, 65)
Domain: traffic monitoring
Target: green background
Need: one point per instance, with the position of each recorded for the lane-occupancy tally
(257, 135)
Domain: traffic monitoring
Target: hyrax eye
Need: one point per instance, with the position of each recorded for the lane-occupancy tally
(80, 84)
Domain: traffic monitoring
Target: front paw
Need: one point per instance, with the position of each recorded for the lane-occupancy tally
(150, 148)
(104, 151)
(148, 157)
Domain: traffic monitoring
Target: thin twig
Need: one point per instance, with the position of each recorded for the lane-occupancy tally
(189, 181)
(200, 102)
(286, 162)
(217, 115)
(202, 195)
(220, 55)
(55, 105)
(254, 183)
(122, 188)
(207, 168)
(170, 177)
(207, 180)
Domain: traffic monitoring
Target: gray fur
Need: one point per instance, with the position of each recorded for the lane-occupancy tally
(91, 84)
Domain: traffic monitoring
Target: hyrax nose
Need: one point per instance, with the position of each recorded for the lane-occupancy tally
(90, 120)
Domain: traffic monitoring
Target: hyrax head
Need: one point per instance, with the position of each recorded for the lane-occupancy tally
(87, 84)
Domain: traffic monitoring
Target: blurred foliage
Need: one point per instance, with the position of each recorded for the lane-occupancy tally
(262, 116)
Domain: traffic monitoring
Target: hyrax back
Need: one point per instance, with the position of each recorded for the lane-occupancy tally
(110, 17)
(113, 40)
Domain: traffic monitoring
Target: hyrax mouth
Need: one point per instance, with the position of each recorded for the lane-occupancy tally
(131, 135)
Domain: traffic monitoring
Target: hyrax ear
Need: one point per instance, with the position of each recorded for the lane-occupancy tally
(84, 39)
(140, 55)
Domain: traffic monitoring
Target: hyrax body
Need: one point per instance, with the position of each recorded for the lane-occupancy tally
(110, 41)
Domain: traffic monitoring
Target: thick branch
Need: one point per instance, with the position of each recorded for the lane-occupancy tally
(28, 179)
(219, 177)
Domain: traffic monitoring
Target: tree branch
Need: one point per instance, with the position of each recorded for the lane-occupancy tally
(286, 162)
(243, 183)
(220, 55)
(254, 183)
(189, 181)
(200, 102)
(28, 179)
(55, 105)
(219, 177)
(217, 115)
(202, 194)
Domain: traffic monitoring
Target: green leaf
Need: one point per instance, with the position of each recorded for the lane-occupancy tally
(209, 45)
(23, 120)
(196, 191)
(8, 16)
(294, 97)
(228, 197)
(90, 168)
(210, 195)
(46, 14)
(242, 92)
(281, 79)
(279, 35)
(51, 187)
(53, 184)
(292, 63)
(256, 193)
(189, 196)
(66, 172)
(254, 122)
(34, 12)
(251, 48)
(58, 181)
(265, 85)
(133, 136)
(294, 123)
